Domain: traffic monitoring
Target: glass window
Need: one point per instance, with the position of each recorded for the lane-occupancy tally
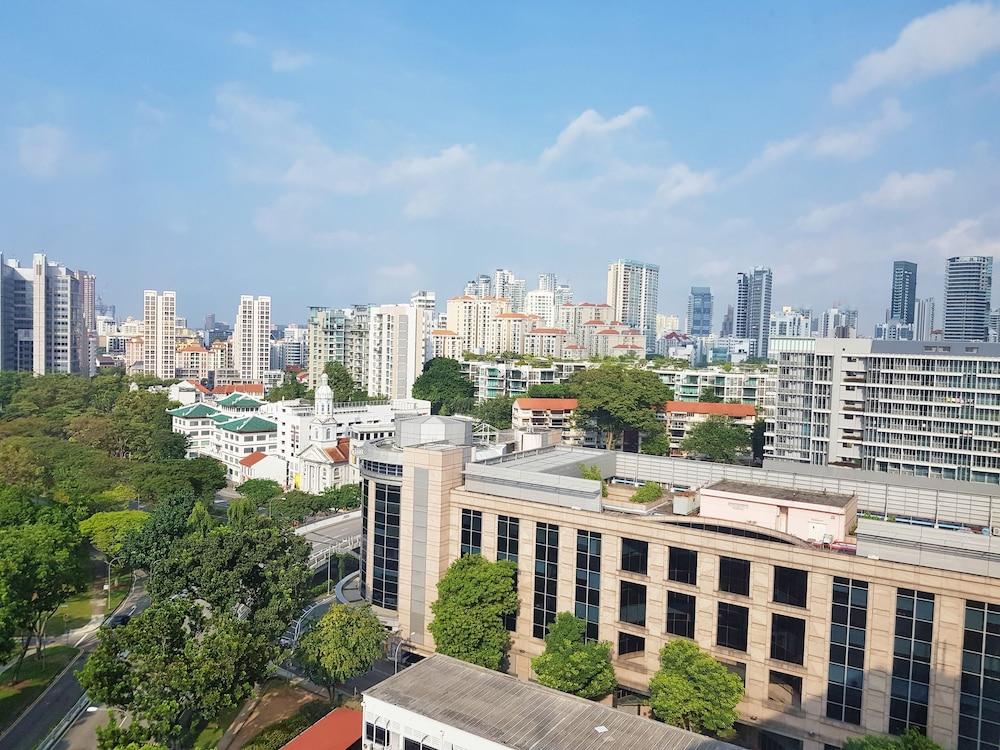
(734, 575)
(979, 703)
(630, 644)
(848, 633)
(788, 636)
(785, 690)
(680, 614)
(472, 532)
(632, 604)
(911, 656)
(733, 623)
(588, 580)
(683, 565)
(546, 577)
(385, 547)
(635, 555)
(508, 534)
(790, 586)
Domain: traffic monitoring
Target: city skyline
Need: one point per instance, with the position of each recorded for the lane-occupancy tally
(278, 137)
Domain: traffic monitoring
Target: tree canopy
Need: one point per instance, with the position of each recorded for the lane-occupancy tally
(473, 597)
(443, 384)
(572, 664)
(694, 691)
(614, 398)
(495, 411)
(707, 395)
(344, 643)
(291, 388)
(342, 384)
(912, 739)
(108, 530)
(718, 439)
(259, 491)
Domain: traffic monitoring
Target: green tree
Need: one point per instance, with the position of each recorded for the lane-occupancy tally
(240, 510)
(108, 531)
(655, 443)
(593, 473)
(10, 384)
(707, 395)
(912, 739)
(346, 497)
(443, 384)
(473, 597)
(291, 388)
(167, 524)
(173, 668)
(199, 522)
(259, 491)
(345, 643)
(613, 398)
(718, 439)
(551, 390)
(295, 505)
(495, 411)
(757, 440)
(647, 493)
(694, 691)
(342, 384)
(20, 466)
(572, 664)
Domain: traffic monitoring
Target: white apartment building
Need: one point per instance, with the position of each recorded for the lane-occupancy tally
(474, 320)
(445, 343)
(541, 304)
(681, 416)
(927, 409)
(574, 317)
(398, 345)
(159, 334)
(633, 294)
(498, 378)
(791, 322)
(325, 340)
(753, 385)
(252, 338)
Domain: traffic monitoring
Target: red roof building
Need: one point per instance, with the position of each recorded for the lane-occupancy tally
(253, 458)
(341, 729)
(250, 389)
(735, 411)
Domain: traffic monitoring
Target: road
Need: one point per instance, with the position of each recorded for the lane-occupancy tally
(35, 723)
(330, 536)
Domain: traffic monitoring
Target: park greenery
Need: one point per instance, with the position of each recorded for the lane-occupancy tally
(593, 473)
(648, 492)
(443, 384)
(718, 439)
(694, 691)
(343, 644)
(573, 664)
(474, 595)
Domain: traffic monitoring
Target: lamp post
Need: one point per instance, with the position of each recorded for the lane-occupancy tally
(110, 561)
(398, 648)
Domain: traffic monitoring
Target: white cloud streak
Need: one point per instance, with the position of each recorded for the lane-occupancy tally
(588, 125)
(45, 151)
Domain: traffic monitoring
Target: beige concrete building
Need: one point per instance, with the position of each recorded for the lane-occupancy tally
(830, 645)
(159, 333)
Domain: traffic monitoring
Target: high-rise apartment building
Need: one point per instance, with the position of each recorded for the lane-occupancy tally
(425, 300)
(727, 322)
(790, 322)
(968, 290)
(481, 286)
(326, 333)
(633, 294)
(924, 319)
(398, 339)
(542, 304)
(252, 338)
(699, 312)
(88, 296)
(356, 335)
(753, 309)
(474, 320)
(547, 282)
(159, 333)
(507, 286)
(838, 323)
(904, 291)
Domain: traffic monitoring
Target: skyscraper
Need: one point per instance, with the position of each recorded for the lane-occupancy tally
(159, 333)
(924, 316)
(424, 299)
(904, 291)
(633, 294)
(252, 338)
(88, 297)
(397, 348)
(326, 331)
(699, 313)
(727, 323)
(507, 286)
(968, 288)
(753, 309)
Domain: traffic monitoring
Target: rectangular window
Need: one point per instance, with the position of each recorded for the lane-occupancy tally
(788, 635)
(635, 555)
(979, 703)
(733, 624)
(734, 575)
(790, 586)
(632, 603)
(848, 633)
(588, 580)
(508, 535)
(683, 565)
(472, 532)
(680, 614)
(375, 734)
(546, 577)
(911, 661)
(630, 644)
(385, 549)
(785, 690)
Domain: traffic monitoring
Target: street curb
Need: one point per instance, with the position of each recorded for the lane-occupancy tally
(41, 695)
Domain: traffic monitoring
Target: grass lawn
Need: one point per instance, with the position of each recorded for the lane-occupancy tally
(209, 737)
(34, 676)
(76, 611)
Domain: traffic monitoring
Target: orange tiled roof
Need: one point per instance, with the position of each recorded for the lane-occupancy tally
(724, 410)
(253, 458)
(340, 453)
(546, 404)
(338, 730)
(250, 389)
(547, 330)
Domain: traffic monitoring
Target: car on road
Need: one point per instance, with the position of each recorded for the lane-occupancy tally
(116, 621)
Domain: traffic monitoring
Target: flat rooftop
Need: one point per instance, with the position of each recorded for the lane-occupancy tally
(782, 493)
(524, 715)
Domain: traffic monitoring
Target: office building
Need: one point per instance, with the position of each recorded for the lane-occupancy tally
(159, 333)
(752, 319)
(727, 322)
(826, 641)
(88, 296)
(252, 338)
(904, 291)
(633, 295)
(924, 319)
(968, 290)
(699, 312)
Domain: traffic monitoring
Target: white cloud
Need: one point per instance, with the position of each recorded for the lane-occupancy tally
(149, 112)
(405, 270)
(967, 237)
(946, 40)
(45, 151)
(283, 61)
(858, 142)
(243, 39)
(681, 182)
(823, 218)
(901, 190)
(588, 125)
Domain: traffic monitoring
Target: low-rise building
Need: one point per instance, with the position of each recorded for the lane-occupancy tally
(681, 416)
(260, 465)
(533, 414)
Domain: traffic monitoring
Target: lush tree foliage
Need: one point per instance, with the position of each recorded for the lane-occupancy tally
(707, 395)
(473, 597)
(647, 493)
(912, 739)
(240, 511)
(342, 384)
(259, 491)
(694, 691)
(613, 398)
(593, 473)
(757, 440)
(107, 531)
(718, 439)
(174, 667)
(291, 388)
(443, 384)
(572, 664)
(166, 525)
(495, 411)
(551, 390)
(344, 643)
(655, 443)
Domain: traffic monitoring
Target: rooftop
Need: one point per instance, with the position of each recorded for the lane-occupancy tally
(249, 424)
(782, 493)
(253, 458)
(338, 730)
(700, 407)
(546, 403)
(523, 715)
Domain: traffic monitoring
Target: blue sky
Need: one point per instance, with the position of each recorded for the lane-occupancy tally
(329, 154)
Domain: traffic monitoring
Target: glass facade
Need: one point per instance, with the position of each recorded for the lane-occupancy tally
(546, 577)
(680, 614)
(911, 661)
(732, 625)
(385, 547)
(635, 555)
(363, 584)
(588, 580)
(508, 546)
(472, 532)
(791, 586)
(630, 644)
(734, 575)
(788, 638)
(848, 633)
(632, 603)
(682, 565)
(979, 705)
